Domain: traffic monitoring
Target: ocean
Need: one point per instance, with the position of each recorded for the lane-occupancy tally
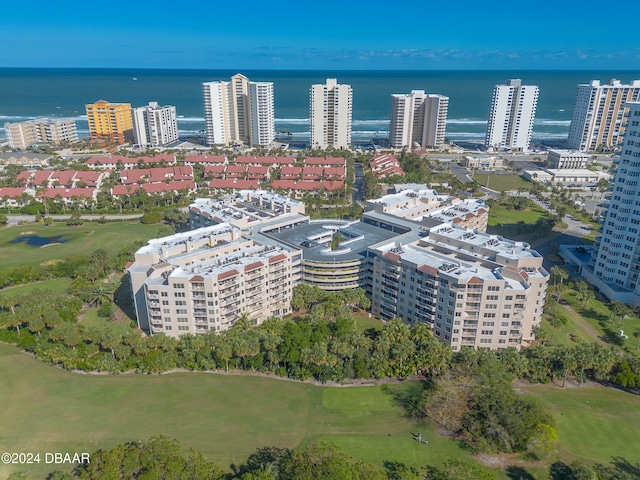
(27, 93)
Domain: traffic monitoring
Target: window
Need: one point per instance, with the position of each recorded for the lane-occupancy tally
(178, 285)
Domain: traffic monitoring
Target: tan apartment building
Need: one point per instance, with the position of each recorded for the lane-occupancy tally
(201, 281)
(473, 289)
(21, 135)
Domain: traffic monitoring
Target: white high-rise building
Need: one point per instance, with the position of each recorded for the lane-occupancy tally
(233, 114)
(615, 263)
(154, 125)
(513, 109)
(217, 112)
(263, 127)
(418, 118)
(598, 114)
(331, 115)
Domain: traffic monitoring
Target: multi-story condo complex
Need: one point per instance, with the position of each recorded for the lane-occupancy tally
(598, 119)
(472, 288)
(239, 111)
(154, 125)
(511, 116)
(110, 121)
(53, 132)
(418, 118)
(247, 252)
(615, 262)
(331, 115)
(203, 280)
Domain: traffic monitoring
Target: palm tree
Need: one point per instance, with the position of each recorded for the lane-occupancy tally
(559, 273)
(101, 293)
(100, 257)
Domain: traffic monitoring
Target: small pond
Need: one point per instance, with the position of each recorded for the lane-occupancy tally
(36, 241)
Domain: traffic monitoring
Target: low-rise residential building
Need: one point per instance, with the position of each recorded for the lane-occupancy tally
(25, 159)
(114, 162)
(384, 165)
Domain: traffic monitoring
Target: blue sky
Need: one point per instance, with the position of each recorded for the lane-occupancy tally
(333, 34)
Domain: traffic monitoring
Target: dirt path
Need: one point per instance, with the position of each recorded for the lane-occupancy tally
(583, 324)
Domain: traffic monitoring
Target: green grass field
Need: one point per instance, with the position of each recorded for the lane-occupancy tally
(563, 334)
(81, 240)
(594, 423)
(58, 285)
(46, 409)
(226, 417)
(597, 314)
(502, 183)
(498, 214)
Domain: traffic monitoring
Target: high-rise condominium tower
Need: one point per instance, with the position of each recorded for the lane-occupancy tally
(615, 263)
(513, 109)
(598, 114)
(110, 121)
(331, 112)
(154, 125)
(418, 118)
(239, 111)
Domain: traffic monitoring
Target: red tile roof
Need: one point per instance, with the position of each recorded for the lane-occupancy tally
(230, 273)
(11, 192)
(234, 183)
(277, 258)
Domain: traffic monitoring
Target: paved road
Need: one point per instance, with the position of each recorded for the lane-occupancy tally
(358, 184)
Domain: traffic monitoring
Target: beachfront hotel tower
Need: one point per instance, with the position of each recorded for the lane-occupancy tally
(598, 119)
(239, 111)
(418, 119)
(511, 116)
(154, 125)
(110, 121)
(615, 261)
(331, 114)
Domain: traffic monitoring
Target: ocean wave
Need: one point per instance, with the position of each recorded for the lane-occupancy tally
(465, 121)
(544, 121)
(371, 123)
(548, 135)
(473, 135)
(190, 119)
(301, 121)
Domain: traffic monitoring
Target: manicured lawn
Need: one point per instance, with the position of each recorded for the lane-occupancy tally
(502, 183)
(562, 335)
(58, 285)
(45, 409)
(79, 240)
(594, 423)
(228, 417)
(597, 313)
(90, 318)
(365, 322)
(498, 214)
